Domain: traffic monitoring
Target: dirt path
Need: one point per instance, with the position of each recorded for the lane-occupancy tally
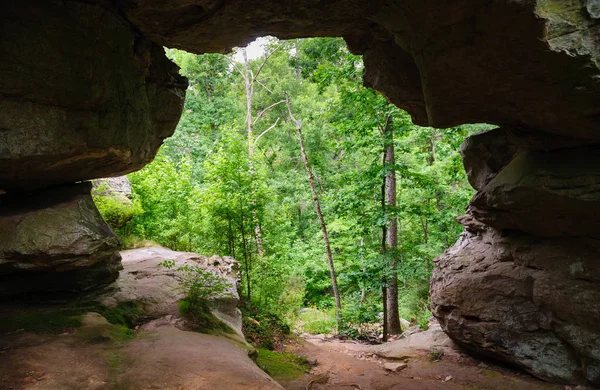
(344, 365)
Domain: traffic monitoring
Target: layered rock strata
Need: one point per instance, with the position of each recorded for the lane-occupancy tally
(523, 282)
(55, 241)
(82, 94)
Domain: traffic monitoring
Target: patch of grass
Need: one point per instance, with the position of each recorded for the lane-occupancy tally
(105, 333)
(42, 321)
(282, 366)
(315, 321)
(492, 374)
(128, 314)
(198, 312)
(436, 354)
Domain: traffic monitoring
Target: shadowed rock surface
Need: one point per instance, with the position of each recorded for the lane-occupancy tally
(522, 282)
(55, 241)
(130, 336)
(82, 95)
(86, 92)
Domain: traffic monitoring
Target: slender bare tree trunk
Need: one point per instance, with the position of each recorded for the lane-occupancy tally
(392, 233)
(249, 83)
(298, 123)
(384, 251)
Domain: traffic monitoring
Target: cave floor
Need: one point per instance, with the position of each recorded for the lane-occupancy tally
(347, 365)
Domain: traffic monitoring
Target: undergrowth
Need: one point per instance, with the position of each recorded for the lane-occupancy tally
(280, 365)
(263, 329)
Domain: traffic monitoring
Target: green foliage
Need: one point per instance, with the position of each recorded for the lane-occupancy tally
(264, 329)
(282, 366)
(413, 301)
(196, 195)
(115, 211)
(199, 286)
(316, 321)
(129, 314)
(198, 311)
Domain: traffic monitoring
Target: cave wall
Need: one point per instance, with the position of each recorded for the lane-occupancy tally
(86, 92)
(523, 281)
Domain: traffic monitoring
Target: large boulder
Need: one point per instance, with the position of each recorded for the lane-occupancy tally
(82, 94)
(55, 241)
(521, 284)
(526, 300)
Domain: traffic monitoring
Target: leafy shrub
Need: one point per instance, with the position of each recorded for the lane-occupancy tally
(116, 211)
(199, 286)
(360, 320)
(264, 329)
(413, 303)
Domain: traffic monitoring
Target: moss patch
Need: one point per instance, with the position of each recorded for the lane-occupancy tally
(204, 321)
(492, 374)
(46, 321)
(282, 366)
(105, 333)
(128, 314)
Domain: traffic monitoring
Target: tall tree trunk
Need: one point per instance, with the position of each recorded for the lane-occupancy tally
(383, 252)
(392, 233)
(249, 84)
(247, 266)
(298, 123)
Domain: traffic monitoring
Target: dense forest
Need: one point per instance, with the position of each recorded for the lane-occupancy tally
(329, 197)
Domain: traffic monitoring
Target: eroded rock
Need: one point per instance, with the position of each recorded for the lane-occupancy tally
(527, 63)
(82, 95)
(527, 300)
(55, 241)
(521, 283)
(144, 281)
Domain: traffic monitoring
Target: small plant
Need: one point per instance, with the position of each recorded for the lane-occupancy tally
(199, 286)
(436, 354)
(197, 283)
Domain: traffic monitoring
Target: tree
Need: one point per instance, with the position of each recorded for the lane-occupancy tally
(391, 239)
(334, 284)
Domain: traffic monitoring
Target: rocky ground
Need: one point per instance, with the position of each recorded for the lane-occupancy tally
(72, 345)
(426, 360)
(131, 336)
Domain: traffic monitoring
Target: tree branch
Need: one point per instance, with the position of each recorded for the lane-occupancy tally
(260, 68)
(265, 110)
(232, 63)
(266, 131)
(287, 102)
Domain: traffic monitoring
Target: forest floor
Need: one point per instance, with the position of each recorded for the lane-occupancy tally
(344, 365)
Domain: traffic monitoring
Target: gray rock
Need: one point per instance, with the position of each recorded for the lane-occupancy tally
(119, 186)
(55, 241)
(157, 288)
(82, 94)
(394, 367)
(593, 8)
(523, 299)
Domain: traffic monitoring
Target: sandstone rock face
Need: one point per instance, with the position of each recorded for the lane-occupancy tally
(55, 241)
(530, 63)
(527, 300)
(82, 95)
(144, 280)
(523, 281)
(119, 186)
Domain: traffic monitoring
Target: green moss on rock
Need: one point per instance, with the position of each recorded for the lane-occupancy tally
(282, 366)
